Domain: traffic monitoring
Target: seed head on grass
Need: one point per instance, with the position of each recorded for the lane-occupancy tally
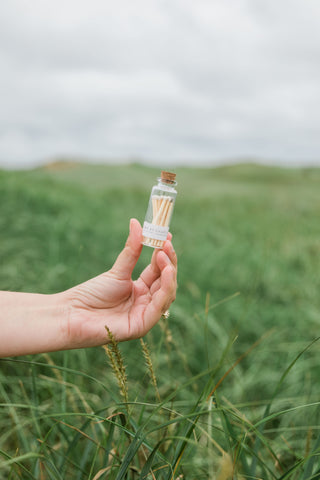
(226, 468)
(148, 360)
(117, 364)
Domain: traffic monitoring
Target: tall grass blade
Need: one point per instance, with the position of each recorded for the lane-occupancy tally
(93, 461)
(288, 475)
(53, 469)
(268, 408)
(17, 461)
(311, 462)
(58, 367)
(20, 458)
(147, 466)
(131, 452)
(231, 436)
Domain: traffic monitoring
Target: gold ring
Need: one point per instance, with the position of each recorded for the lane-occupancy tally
(166, 314)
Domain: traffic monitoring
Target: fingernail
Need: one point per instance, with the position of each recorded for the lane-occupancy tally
(130, 225)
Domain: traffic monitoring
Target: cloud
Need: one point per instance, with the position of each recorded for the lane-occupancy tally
(163, 80)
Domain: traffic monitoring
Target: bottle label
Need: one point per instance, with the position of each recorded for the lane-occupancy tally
(155, 231)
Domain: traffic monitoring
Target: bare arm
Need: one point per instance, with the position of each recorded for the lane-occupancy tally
(32, 323)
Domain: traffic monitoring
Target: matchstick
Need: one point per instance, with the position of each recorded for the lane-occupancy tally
(163, 220)
(162, 206)
(160, 209)
(154, 206)
(169, 212)
(159, 213)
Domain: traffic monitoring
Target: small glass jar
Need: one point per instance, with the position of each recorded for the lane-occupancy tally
(159, 212)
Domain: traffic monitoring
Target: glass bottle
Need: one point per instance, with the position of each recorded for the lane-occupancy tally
(159, 212)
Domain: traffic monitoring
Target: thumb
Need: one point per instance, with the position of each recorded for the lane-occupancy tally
(127, 259)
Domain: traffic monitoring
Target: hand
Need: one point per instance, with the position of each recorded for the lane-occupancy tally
(128, 308)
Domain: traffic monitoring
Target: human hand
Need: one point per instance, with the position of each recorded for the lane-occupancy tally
(128, 308)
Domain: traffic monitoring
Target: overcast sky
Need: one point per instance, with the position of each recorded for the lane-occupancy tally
(181, 81)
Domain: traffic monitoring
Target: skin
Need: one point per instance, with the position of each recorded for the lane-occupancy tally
(76, 318)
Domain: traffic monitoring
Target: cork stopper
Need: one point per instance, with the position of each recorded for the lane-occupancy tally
(168, 177)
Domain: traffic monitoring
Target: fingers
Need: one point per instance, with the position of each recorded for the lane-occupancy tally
(127, 259)
(165, 294)
(152, 271)
(169, 250)
(167, 291)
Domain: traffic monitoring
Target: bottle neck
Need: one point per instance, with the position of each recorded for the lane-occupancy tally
(167, 185)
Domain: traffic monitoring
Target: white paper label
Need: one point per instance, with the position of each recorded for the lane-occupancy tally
(155, 231)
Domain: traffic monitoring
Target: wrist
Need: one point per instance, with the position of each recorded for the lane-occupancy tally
(47, 323)
(58, 310)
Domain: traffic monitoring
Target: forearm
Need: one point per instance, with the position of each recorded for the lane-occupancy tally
(32, 323)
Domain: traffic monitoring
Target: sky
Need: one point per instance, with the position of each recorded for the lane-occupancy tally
(160, 81)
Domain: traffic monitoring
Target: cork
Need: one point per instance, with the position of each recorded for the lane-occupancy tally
(168, 177)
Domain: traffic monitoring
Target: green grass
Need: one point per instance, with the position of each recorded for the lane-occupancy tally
(248, 242)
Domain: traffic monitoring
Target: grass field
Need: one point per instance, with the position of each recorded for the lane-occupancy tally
(248, 242)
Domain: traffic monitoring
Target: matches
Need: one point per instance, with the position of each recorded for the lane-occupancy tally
(156, 225)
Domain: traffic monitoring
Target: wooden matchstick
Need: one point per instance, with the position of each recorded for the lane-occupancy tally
(162, 220)
(162, 206)
(154, 207)
(168, 216)
(155, 221)
(165, 203)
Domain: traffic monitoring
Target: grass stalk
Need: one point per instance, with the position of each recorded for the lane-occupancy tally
(113, 352)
